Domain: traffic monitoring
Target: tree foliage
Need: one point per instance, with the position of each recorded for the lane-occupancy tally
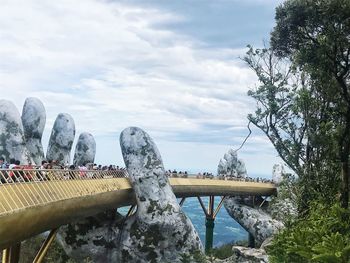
(303, 106)
(322, 236)
(303, 100)
(315, 36)
(296, 119)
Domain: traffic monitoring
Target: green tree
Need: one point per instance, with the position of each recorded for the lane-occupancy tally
(298, 121)
(315, 36)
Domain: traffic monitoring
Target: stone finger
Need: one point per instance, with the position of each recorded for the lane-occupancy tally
(61, 139)
(33, 120)
(12, 142)
(85, 150)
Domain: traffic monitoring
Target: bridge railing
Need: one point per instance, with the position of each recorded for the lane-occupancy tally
(38, 175)
(22, 188)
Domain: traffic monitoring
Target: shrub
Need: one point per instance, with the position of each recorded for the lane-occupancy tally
(322, 236)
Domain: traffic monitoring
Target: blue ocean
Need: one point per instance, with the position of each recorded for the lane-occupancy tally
(226, 229)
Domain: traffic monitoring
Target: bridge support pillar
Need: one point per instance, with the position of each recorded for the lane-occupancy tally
(11, 254)
(210, 215)
(209, 233)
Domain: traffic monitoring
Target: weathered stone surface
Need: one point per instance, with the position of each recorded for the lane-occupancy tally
(159, 231)
(246, 255)
(231, 166)
(283, 206)
(267, 242)
(255, 221)
(93, 237)
(61, 139)
(85, 149)
(283, 209)
(33, 120)
(277, 173)
(12, 143)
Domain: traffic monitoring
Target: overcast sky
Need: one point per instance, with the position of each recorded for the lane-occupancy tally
(169, 67)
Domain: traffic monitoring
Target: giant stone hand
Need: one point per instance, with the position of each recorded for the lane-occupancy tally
(231, 166)
(254, 220)
(159, 231)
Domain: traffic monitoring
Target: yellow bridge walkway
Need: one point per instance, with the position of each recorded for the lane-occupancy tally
(34, 201)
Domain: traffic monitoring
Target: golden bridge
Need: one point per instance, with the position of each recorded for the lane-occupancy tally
(35, 201)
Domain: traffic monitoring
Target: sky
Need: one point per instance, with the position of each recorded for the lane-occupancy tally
(172, 68)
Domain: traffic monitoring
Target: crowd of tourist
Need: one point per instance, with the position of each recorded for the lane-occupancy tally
(174, 173)
(54, 164)
(83, 169)
(208, 175)
(244, 179)
(185, 174)
(15, 172)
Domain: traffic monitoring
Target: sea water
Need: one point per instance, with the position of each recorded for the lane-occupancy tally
(226, 229)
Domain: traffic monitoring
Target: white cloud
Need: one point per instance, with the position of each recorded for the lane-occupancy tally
(106, 65)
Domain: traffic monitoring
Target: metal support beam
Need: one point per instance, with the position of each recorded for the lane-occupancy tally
(182, 201)
(5, 255)
(203, 207)
(211, 206)
(262, 203)
(219, 206)
(210, 215)
(45, 246)
(11, 254)
(131, 210)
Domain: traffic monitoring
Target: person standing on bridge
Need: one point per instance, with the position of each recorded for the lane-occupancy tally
(3, 164)
(28, 176)
(3, 174)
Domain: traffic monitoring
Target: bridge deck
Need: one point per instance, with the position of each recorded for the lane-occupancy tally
(29, 208)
